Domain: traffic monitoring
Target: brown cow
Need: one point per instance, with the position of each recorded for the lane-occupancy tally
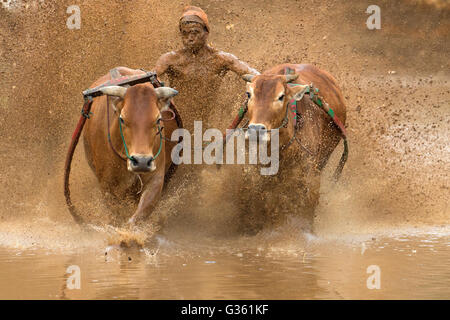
(296, 185)
(137, 109)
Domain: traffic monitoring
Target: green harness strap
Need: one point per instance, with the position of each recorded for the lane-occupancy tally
(125, 145)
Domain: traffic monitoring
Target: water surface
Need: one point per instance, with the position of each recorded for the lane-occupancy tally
(411, 267)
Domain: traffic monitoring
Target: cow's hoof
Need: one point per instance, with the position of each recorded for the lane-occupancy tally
(125, 251)
(133, 222)
(151, 242)
(130, 244)
(132, 226)
(112, 252)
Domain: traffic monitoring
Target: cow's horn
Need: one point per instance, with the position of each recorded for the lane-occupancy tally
(165, 92)
(117, 91)
(248, 77)
(291, 77)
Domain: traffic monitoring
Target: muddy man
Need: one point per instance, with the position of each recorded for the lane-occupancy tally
(197, 70)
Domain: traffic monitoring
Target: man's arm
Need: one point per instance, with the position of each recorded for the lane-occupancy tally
(236, 65)
(163, 63)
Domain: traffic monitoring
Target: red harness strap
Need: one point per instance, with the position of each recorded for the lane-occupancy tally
(85, 112)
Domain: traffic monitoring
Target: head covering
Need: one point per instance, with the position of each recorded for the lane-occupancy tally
(194, 14)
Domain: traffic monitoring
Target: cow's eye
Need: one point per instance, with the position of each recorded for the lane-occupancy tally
(248, 95)
(281, 98)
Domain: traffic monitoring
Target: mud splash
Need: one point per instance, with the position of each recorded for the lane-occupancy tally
(395, 80)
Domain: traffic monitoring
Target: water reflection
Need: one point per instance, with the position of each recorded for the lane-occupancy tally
(411, 268)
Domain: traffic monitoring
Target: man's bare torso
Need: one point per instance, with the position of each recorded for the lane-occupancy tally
(198, 78)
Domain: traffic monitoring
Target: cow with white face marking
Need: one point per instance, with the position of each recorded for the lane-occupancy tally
(279, 99)
(124, 145)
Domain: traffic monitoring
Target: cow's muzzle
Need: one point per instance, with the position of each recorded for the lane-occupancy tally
(141, 163)
(257, 129)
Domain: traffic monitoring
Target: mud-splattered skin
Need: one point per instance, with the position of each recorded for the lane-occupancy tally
(295, 188)
(196, 71)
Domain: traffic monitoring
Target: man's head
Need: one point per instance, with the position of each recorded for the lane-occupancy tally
(194, 28)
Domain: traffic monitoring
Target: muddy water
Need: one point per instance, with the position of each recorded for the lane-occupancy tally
(412, 266)
(396, 82)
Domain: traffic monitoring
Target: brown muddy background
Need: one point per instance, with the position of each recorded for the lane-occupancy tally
(395, 81)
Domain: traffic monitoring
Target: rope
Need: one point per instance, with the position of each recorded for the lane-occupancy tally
(319, 101)
(73, 144)
(109, 132)
(125, 144)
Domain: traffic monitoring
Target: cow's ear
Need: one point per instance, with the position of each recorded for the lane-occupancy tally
(116, 103)
(164, 94)
(298, 91)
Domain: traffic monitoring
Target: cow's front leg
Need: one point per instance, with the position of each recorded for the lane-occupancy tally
(149, 198)
(309, 195)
